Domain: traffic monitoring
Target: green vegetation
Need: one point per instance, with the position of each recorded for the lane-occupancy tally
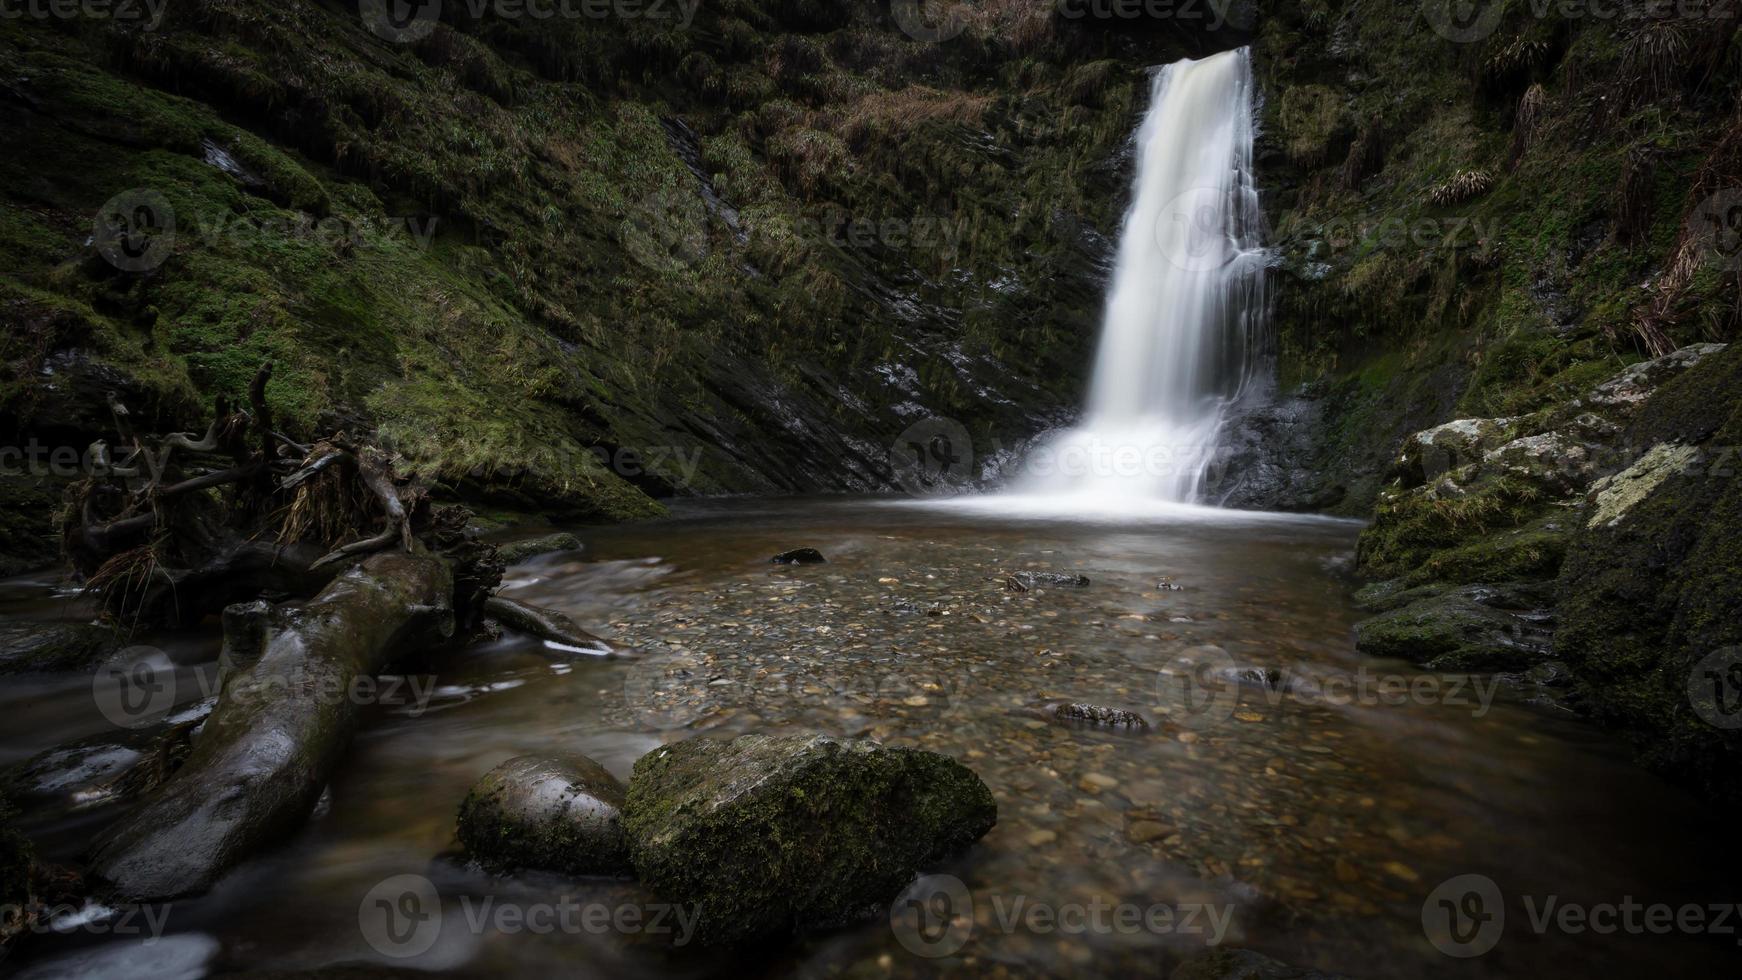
(498, 245)
(1483, 215)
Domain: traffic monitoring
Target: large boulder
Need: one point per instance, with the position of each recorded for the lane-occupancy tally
(774, 834)
(562, 814)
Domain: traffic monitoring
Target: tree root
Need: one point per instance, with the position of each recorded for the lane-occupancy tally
(548, 625)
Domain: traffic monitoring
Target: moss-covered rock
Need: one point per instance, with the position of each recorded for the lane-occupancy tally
(1650, 591)
(554, 814)
(29, 647)
(1475, 628)
(771, 834)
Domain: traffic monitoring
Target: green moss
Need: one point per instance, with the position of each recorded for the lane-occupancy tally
(1532, 553)
(1451, 631)
(767, 834)
(1426, 534)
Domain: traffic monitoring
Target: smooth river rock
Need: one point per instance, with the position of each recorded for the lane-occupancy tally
(767, 835)
(553, 814)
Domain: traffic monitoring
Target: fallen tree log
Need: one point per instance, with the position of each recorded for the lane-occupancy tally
(182, 597)
(548, 625)
(277, 733)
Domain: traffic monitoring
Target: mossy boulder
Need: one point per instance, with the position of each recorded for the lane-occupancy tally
(1475, 628)
(1649, 591)
(553, 814)
(767, 835)
(43, 648)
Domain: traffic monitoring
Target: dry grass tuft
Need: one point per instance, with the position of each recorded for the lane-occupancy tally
(884, 113)
(1527, 123)
(1465, 185)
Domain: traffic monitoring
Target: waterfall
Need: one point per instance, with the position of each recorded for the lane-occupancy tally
(1186, 312)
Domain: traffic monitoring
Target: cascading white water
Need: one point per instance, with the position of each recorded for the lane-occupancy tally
(1186, 312)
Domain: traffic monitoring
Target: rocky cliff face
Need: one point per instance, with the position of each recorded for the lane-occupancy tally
(1507, 269)
(566, 263)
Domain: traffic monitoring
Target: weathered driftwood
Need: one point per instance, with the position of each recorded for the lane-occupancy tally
(547, 624)
(278, 732)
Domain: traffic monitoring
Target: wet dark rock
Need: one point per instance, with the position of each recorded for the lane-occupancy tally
(1473, 628)
(16, 857)
(1078, 714)
(1546, 685)
(799, 556)
(774, 834)
(1055, 580)
(553, 814)
(1266, 460)
(514, 552)
(1243, 964)
(28, 647)
(1263, 678)
(113, 767)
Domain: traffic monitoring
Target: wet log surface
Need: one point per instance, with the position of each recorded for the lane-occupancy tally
(278, 732)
